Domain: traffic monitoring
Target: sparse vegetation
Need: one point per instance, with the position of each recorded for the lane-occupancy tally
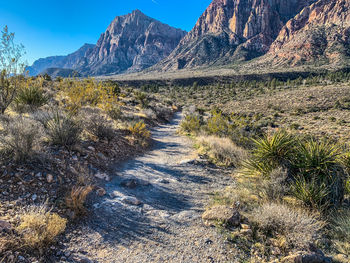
(298, 227)
(62, 129)
(140, 134)
(39, 227)
(21, 138)
(76, 199)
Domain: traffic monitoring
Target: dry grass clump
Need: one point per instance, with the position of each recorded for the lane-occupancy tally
(76, 199)
(62, 129)
(21, 138)
(341, 232)
(140, 134)
(39, 227)
(100, 127)
(297, 226)
(275, 187)
(223, 151)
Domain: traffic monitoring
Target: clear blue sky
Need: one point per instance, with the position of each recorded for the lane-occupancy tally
(59, 27)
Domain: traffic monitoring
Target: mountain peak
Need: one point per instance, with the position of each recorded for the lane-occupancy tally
(137, 12)
(233, 30)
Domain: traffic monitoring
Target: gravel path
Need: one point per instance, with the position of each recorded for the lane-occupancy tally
(172, 191)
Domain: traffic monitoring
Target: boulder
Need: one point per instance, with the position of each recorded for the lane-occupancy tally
(224, 214)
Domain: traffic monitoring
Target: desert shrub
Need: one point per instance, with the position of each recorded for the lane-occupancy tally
(140, 134)
(32, 96)
(217, 124)
(319, 173)
(88, 92)
(114, 112)
(297, 226)
(341, 232)
(76, 199)
(7, 242)
(223, 151)
(312, 193)
(12, 68)
(100, 127)
(163, 113)
(21, 138)
(191, 124)
(39, 227)
(271, 152)
(345, 161)
(142, 98)
(150, 114)
(62, 129)
(274, 187)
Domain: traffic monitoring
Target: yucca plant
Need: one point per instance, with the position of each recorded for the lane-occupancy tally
(345, 161)
(317, 158)
(271, 152)
(312, 193)
(318, 163)
(62, 129)
(32, 96)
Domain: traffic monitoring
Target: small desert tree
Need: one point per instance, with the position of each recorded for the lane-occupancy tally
(11, 68)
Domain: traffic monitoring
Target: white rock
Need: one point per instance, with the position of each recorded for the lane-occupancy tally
(103, 176)
(131, 200)
(49, 178)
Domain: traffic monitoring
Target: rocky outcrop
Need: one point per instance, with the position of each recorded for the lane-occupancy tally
(131, 43)
(320, 34)
(71, 61)
(221, 214)
(231, 30)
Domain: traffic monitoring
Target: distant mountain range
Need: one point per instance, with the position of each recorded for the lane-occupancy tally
(268, 32)
(131, 43)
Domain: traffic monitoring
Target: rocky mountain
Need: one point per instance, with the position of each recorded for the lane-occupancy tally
(231, 30)
(131, 43)
(320, 34)
(71, 61)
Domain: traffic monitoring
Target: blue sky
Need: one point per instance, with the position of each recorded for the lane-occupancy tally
(60, 27)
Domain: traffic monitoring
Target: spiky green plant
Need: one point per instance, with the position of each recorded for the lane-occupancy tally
(318, 163)
(345, 161)
(317, 158)
(312, 193)
(61, 129)
(32, 96)
(271, 152)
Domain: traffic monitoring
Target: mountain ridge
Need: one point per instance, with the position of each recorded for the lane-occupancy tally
(131, 43)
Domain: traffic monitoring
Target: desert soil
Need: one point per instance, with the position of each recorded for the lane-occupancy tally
(152, 209)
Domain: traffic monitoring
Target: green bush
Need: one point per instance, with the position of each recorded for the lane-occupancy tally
(317, 163)
(32, 96)
(191, 124)
(217, 124)
(312, 193)
(62, 129)
(271, 152)
(314, 167)
(142, 98)
(100, 127)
